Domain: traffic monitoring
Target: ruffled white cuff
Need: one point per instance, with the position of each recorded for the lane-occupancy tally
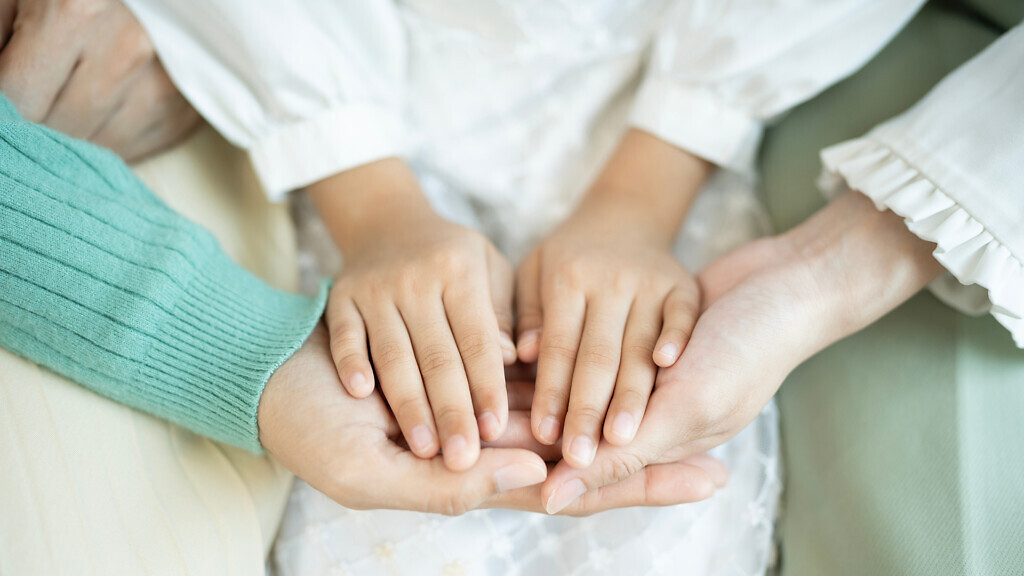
(984, 276)
(299, 154)
(696, 120)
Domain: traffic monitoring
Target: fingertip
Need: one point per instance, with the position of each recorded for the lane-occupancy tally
(579, 452)
(547, 430)
(491, 428)
(422, 441)
(509, 354)
(459, 455)
(621, 429)
(666, 354)
(528, 348)
(358, 385)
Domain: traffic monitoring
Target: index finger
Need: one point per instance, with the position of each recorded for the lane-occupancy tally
(402, 481)
(689, 480)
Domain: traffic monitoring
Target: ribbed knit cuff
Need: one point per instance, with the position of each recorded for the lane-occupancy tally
(227, 335)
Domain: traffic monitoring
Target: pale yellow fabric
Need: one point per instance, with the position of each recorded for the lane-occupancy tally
(88, 486)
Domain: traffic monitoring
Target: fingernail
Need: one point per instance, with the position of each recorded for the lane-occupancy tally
(420, 439)
(582, 449)
(516, 476)
(527, 339)
(359, 383)
(489, 425)
(564, 495)
(549, 429)
(668, 352)
(624, 426)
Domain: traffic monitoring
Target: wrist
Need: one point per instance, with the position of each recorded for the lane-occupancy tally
(859, 262)
(644, 190)
(369, 202)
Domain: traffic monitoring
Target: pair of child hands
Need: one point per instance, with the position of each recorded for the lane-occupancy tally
(600, 305)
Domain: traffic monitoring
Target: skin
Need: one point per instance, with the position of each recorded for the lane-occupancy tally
(434, 301)
(602, 302)
(351, 450)
(768, 306)
(87, 68)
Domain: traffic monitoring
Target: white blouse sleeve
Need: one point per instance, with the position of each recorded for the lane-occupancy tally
(309, 89)
(719, 70)
(952, 167)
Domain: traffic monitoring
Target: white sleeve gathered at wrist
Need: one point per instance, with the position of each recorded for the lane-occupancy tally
(296, 155)
(695, 119)
(309, 89)
(719, 71)
(951, 166)
(983, 275)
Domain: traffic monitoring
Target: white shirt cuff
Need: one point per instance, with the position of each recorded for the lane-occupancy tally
(698, 121)
(300, 154)
(983, 274)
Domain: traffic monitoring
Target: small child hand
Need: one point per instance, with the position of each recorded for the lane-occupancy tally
(602, 302)
(612, 311)
(434, 301)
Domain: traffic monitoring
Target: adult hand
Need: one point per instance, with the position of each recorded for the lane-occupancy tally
(769, 306)
(350, 449)
(87, 68)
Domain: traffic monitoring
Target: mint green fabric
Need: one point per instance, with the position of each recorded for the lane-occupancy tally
(903, 445)
(104, 284)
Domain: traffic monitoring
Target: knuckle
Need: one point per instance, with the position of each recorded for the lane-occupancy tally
(587, 415)
(437, 359)
(620, 466)
(639, 349)
(451, 415)
(559, 348)
(407, 408)
(603, 356)
(453, 504)
(631, 396)
(477, 346)
(345, 339)
(390, 355)
(451, 260)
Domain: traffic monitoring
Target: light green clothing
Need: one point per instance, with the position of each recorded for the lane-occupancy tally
(103, 283)
(903, 444)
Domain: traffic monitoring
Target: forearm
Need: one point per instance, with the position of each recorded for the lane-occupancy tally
(369, 202)
(860, 262)
(104, 284)
(645, 188)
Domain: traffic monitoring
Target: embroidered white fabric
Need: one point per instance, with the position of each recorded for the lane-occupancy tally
(730, 534)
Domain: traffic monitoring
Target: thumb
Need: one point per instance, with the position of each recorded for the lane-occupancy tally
(411, 483)
(529, 314)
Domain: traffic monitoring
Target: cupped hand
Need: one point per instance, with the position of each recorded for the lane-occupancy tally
(87, 68)
(768, 306)
(352, 451)
(598, 309)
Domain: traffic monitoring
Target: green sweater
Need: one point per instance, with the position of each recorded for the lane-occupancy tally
(103, 283)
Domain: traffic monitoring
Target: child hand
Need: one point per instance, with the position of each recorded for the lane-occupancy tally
(612, 309)
(602, 302)
(434, 300)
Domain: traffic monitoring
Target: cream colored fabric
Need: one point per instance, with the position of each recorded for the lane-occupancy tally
(88, 486)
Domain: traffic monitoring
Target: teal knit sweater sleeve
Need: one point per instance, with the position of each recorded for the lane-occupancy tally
(103, 283)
